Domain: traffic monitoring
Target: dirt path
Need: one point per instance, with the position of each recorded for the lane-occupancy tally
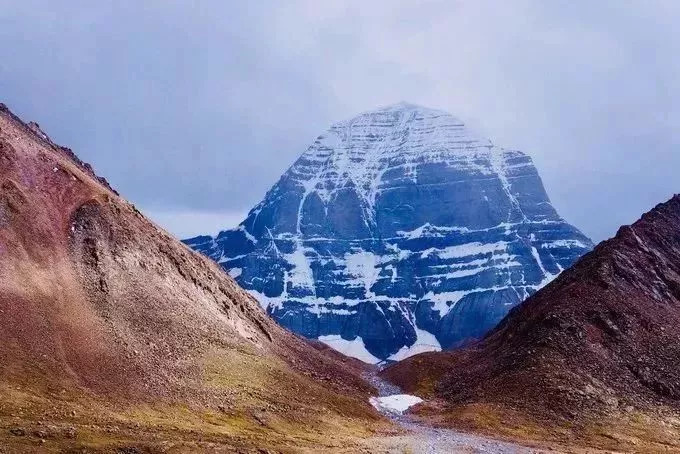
(425, 439)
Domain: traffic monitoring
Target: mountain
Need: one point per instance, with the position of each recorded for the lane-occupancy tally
(397, 232)
(593, 356)
(115, 337)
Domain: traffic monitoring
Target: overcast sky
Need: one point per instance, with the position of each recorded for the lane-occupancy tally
(194, 109)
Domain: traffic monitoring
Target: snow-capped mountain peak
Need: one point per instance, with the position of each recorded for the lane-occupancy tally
(398, 231)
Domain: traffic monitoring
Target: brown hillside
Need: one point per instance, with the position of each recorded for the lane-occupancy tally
(592, 358)
(115, 335)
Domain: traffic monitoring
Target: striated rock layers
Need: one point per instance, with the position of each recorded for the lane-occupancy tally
(398, 232)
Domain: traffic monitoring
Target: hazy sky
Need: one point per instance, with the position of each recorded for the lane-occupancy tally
(194, 109)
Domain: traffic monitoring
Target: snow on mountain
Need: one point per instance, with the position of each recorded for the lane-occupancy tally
(398, 232)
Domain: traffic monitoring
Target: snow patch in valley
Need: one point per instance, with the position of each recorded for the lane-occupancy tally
(354, 348)
(395, 404)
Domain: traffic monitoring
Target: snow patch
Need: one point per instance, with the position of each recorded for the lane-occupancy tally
(429, 230)
(250, 237)
(354, 348)
(301, 275)
(563, 243)
(395, 404)
(444, 301)
(264, 300)
(425, 342)
(499, 166)
(466, 250)
(362, 266)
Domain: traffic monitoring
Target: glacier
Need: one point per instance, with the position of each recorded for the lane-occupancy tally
(398, 231)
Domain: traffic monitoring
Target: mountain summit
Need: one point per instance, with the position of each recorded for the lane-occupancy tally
(396, 232)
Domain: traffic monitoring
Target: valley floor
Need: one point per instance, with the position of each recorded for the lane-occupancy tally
(429, 440)
(25, 429)
(419, 438)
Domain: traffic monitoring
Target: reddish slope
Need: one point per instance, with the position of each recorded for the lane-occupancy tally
(596, 353)
(108, 322)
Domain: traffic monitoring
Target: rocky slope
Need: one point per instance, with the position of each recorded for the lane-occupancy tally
(397, 232)
(594, 356)
(115, 336)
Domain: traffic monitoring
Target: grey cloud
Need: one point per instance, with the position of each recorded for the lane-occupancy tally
(193, 109)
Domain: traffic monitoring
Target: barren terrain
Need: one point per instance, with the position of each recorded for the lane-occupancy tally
(114, 335)
(592, 359)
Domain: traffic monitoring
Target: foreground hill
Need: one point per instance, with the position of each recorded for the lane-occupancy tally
(594, 357)
(115, 335)
(396, 232)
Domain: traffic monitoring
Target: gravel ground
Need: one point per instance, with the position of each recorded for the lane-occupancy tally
(424, 439)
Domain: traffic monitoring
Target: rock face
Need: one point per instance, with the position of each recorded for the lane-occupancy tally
(397, 232)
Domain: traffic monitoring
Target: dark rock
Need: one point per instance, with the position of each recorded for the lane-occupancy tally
(18, 432)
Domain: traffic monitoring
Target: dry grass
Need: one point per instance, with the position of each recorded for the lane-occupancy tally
(65, 421)
(627, 432)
